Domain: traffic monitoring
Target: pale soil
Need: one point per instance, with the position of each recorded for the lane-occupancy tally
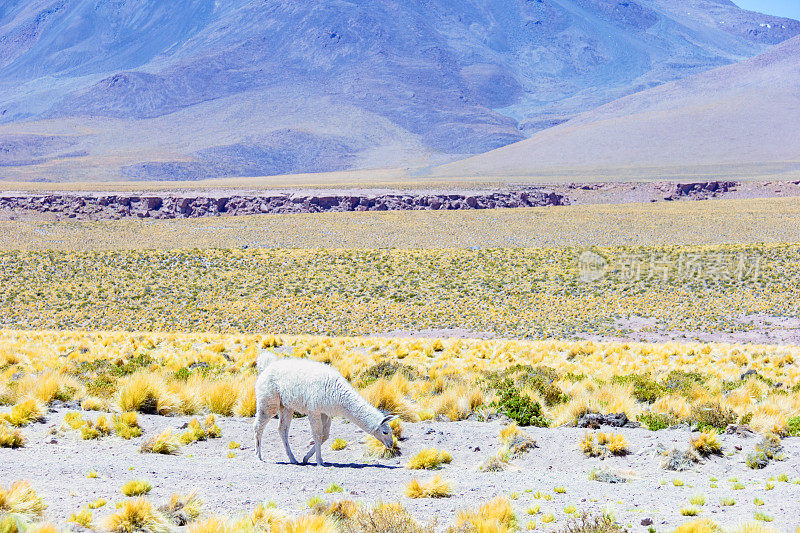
(763, 329)
(58, 472)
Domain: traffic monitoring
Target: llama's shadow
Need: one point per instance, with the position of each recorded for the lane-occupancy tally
(356, 466)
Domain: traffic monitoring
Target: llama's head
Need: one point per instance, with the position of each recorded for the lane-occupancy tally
(384, 431)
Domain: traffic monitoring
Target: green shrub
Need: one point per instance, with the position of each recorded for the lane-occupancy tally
(793, 426)
(645, 388)
(682, 382)
(757, 460)
(711, 415)
(386, 369)
(518, 407)
(657, 421)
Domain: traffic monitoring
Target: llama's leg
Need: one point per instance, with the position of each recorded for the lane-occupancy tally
(315, 421)
(317, 429)
(326, 428)
(283, 429)
(264, 413)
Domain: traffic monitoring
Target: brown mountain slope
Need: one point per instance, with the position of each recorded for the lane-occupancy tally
(743, 119)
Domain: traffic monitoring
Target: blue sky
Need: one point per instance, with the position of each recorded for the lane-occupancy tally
(784, 8)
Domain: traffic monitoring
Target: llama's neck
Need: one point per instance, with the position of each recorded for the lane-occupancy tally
(360, 412)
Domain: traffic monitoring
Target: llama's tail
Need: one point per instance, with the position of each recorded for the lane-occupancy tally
(265, 358)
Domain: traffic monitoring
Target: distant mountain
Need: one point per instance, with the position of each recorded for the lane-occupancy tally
(189, 89)
(743, 117)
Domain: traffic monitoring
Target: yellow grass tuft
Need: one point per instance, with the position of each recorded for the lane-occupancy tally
(222, 396)
(707, 443)
(375, 448)
(436, 487)
(266, 517)
(397, 428)
(704, 525)
(212, 524)
(386, 395)
(82, 518)
(10, 437)
(25, 412)
(495, 515)
(165, 443)
(429, 459)
(93, 403)
(21, 499)
(126, 425)
(136, 487)
(509, 432)
(137, 515)
(307, 524)
(146, 392)
(182, 509)
(246, 404)
(338, 444)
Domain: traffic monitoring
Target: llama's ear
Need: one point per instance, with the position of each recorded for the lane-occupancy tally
(389, 418)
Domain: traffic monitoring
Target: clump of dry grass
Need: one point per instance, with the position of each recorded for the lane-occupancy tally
(678, 461)
(338, 444)
(22, 501)
(586, 523)
(707, 443)
(382, 518)
(703, 525)
(182, 509)
(126, 425)
(137, 515)
(221, 396)
(165, 443)
(147, 393)
(25, 412)
(10, 437)
(496, 515)
(388, 396)
(136, 487)
(375, 448)
(435, 487)
(196, 431)
(607, 444)
(429, 459)
(93, 403)
(82, 518)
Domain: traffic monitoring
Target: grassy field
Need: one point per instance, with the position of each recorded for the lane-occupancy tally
(119, 383)
(708, 222)
(131, 329)
(537, 293)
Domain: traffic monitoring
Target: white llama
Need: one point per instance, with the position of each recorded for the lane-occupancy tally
(288, 385)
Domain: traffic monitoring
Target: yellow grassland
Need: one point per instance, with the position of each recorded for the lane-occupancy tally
(583, 371)
(522, 293)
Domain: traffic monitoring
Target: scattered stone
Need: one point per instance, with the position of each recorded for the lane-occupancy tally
(740, 430)
(595, 420)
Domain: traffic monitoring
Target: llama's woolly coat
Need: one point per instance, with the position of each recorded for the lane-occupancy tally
(311, 387)
(290, 385)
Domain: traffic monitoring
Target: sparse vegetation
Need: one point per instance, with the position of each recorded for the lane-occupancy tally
(165, 443)
(429, 459)
(136, 487)
(707, 443)
(435, 487)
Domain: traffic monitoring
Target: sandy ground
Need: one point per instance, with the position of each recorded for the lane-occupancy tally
(762, 329)
(57, 467)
